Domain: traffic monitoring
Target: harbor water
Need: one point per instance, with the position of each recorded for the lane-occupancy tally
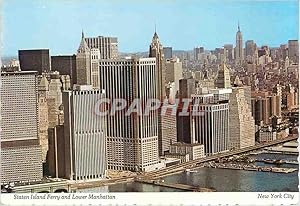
(223, 180)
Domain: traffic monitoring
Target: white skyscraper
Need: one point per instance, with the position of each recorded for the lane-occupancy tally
(85, 134)
(132, 141)
(210, 126)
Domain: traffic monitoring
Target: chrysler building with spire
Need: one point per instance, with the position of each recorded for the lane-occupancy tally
(239, 53)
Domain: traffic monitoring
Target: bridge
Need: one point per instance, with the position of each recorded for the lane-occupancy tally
(195, 163)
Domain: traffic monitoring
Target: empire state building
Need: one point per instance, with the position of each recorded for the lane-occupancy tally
(239, 54)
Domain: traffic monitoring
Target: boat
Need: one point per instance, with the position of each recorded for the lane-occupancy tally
(188, 170)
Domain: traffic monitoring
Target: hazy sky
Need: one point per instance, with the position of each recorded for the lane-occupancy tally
(182, 24)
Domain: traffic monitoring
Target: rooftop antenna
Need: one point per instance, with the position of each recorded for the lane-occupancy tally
(82, 34)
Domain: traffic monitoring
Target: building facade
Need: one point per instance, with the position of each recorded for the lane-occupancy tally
(223, 79)
(107, 46)
(293, 46)
(21, 158)
(85, 134)
(35, 60)
(174, 72)
(65, 65)
(168, 53)
(132, 140)
(195, 151)
(167, 135)
(241, 122)
(83, 63)
(211, 128)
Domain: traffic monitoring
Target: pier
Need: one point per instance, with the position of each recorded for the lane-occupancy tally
(189, 188)
(278, 162)
(251, 168)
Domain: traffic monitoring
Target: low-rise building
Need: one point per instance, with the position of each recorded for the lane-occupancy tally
(195, 151)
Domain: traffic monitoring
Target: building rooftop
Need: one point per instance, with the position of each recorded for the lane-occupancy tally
(18, 72)
(185, 144)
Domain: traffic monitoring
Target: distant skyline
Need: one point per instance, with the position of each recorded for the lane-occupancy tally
(183, 25)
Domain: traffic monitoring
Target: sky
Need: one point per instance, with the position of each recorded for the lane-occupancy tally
(181, 24)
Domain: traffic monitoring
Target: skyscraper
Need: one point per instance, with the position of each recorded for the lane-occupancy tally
(132, 140)
(174, 71)
(229, 52)
(21, 158)
(85, 141)
(293, 50)
(108, 46)
(211, 128)
(167, 135)
(241, 122)
(239, 53)
(250, 51)
(35, 60)
(168, 54)
(95, 57)
(223, 79)
(156, 50)
(83, 63)
(65, 65)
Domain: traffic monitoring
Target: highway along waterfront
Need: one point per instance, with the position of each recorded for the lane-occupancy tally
(222, 180)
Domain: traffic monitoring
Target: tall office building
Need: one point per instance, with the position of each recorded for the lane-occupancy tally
(35, 60)
(65, 65)
(197, 52)
(260, 104)
(85, 134)
(167, 135)
(293, 50)
(251, 54)
(229, 52)
(250, 47)
(223, 79)
(187, 87)
(211, 127)
(21, 158)
(132, 140)
(83, 63)
(54, 99)
(174, 71)
(108, 46)
(168, 53)
(241, 122)
(43, 89)
(95, 57)
(156, 50)
(283, 51)
(239, 53)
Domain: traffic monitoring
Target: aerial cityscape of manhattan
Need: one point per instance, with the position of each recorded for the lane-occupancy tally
(149, 96)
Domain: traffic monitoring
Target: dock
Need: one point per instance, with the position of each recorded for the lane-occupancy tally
(189, 188)
(274, 161)
(252, 168)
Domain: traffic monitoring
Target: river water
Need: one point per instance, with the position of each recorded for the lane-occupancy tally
(223, 180)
